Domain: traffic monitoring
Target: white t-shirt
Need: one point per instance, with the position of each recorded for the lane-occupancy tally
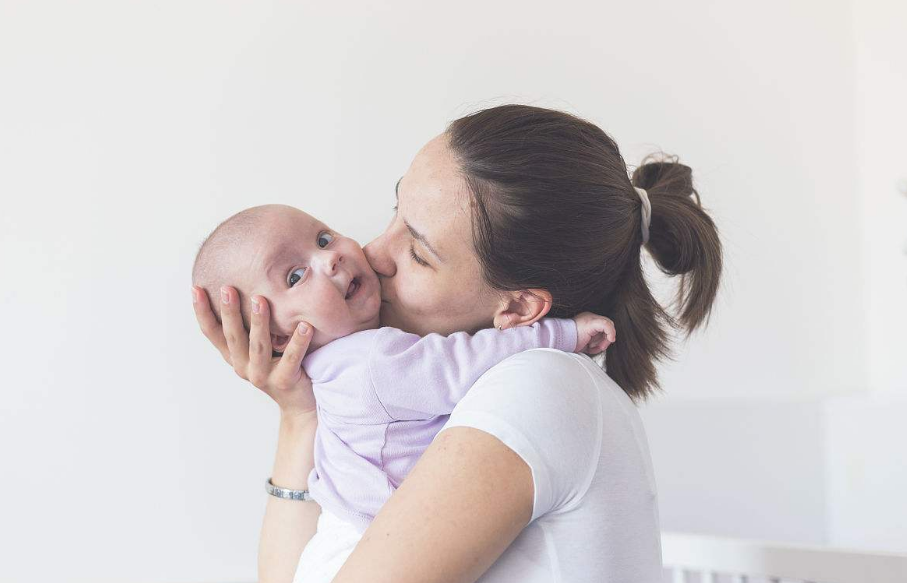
(595, 513)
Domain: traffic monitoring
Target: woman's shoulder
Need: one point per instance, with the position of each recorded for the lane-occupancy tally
(540, 391)
(546, 406)
(544, 377)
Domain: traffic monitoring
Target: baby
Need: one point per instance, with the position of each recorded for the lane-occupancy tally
(382, 394)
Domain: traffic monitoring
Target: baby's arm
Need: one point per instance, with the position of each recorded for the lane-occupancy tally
(420, 377)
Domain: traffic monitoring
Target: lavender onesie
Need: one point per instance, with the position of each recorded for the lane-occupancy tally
(382, 395)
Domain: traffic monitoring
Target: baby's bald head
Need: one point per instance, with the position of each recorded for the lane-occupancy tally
(216, 262)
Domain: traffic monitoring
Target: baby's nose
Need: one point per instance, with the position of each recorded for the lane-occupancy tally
(330, 261)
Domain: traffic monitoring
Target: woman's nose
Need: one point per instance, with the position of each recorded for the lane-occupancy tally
(379, 257)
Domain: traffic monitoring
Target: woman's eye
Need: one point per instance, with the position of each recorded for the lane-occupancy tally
(324, 239)
(416, 258)
(294, 278)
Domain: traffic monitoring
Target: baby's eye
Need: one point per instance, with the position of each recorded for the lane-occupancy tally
(294, 279)
(324, 239)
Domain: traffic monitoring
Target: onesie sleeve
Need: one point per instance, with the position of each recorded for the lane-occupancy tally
(422, 377)
(545, 406)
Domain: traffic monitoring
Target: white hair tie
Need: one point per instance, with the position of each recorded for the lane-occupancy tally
(646, 212)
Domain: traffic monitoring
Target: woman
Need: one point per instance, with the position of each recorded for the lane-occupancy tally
(542, 472)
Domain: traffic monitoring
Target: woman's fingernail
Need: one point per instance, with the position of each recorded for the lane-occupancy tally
(255, 305)
(224, 296)
(302, 328)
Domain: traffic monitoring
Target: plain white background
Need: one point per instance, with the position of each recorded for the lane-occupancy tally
(128, 130)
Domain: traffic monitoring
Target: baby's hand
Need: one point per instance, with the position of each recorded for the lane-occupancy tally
(594, 333)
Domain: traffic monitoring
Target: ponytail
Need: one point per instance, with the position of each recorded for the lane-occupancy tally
(683, 239)
(684, 242)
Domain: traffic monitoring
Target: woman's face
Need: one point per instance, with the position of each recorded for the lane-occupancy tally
(430, 277)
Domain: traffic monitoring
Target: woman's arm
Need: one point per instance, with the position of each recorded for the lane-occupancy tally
(466, 500)
(523, 443)
(288, 524)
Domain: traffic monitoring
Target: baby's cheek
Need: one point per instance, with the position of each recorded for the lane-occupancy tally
(333, 315)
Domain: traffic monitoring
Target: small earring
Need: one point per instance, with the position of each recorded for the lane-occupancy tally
(499, 327)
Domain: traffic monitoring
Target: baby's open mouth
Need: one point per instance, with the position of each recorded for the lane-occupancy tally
(354, 287)
(279, 343)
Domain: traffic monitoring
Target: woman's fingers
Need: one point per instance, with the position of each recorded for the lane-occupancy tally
(289, 369)
(207, 321)
(237, 338)
(260, 342)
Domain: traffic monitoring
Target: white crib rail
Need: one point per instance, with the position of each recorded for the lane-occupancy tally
(710, 559)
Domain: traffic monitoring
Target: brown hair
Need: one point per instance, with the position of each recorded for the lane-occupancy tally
(554, 208)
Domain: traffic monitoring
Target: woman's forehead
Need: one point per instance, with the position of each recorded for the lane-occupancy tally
(433, 197)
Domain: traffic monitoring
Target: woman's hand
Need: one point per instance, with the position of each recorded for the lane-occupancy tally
(281, 378)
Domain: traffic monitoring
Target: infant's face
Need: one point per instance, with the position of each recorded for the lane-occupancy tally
(311, 273)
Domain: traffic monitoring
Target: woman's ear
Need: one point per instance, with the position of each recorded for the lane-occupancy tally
(522, 308)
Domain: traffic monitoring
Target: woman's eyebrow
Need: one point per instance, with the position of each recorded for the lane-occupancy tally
(421, 239)
(412, 231)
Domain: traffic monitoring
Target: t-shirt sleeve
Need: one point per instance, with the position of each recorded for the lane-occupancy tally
(422, 377)
(545, 406)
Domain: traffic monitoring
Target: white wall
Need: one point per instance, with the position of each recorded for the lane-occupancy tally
(866, 433)
(881, 116)
(752, 469)
(130, 451)
(866, 473)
